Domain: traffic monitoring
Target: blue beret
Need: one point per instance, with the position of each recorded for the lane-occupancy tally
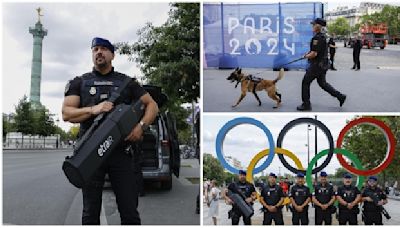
(242, 172)
(323, 174)
(373, 178)
(319, 21)
(97, 41)
(347, 175)
(300, 174)
(272, 175)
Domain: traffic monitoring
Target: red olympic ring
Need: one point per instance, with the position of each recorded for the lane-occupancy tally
(390, 150)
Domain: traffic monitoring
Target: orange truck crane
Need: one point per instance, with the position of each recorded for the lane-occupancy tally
(374, 35)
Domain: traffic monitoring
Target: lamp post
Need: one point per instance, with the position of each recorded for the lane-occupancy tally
(308, 143)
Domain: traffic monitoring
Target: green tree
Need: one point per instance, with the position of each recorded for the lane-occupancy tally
(339, 27)
(369, 144)
(212, 168)
(44, 123)
(169, 55)
(24, 117)
(340, 172)
(73, 132)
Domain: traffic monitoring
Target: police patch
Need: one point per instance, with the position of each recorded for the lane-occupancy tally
(67, 87)
(315, 42)
(92, 90)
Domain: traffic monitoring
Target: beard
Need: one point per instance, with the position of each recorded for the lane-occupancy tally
(100, 62)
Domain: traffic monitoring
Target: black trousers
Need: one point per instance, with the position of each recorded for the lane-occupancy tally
(122, 175)
(314, 72)
(323, 216)
(300, 218)
(332, 59)
(373, 218)
(347, 216)
(356, 60)
(276, 216)
(236, 218)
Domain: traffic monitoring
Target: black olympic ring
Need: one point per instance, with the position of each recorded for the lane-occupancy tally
(316, 123)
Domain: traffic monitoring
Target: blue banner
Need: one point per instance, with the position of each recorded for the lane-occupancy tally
(257, 35)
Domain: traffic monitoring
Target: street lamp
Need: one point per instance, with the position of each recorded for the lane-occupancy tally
(308, 143)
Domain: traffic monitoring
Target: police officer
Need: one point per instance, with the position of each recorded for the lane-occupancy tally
(318, 65)
(348, 196)
(300, 197)
(85, 98)
(245, 188)
(373, 210)
(357, 46)
(323, 199)
(272, 199)
(332, 51)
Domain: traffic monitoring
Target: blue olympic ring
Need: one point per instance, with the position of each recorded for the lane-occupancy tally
(233, 123)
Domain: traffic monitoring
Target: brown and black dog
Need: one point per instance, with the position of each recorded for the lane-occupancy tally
(251, 84)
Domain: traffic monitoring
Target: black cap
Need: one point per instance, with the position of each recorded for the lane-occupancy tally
(242, 172)
(301, 175)
(323, 174)
(319, 21)
(272, 175)
(97, 41)
(347, 175)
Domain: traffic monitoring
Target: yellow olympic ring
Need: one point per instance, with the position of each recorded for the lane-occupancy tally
(261, 154)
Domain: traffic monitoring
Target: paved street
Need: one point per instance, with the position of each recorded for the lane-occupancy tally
(257, 219)
(35, 191)
(373, 89)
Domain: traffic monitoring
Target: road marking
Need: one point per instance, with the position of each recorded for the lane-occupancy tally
(388, 68)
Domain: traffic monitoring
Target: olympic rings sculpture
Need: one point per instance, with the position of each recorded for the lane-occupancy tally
(270, 153)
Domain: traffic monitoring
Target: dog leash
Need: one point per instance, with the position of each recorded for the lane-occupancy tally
(296, 60)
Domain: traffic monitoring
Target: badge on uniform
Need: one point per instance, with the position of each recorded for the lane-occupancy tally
(297, 193)
(315, 42)
(268, 194)
(92, 90)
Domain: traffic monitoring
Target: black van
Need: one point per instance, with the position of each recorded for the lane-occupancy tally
(160, 146)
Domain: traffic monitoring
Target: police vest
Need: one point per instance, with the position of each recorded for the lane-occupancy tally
(323, 193)
(348, 194)
(301, 193)
(96, 89)
(271, 194)
(376, 194)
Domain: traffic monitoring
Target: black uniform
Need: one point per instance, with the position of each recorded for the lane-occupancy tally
(93, 88)
(247, 190)
(348, 194)
(272, 195)
(357, 46)
(317, 70)
(300, 194)
(332, 52)
(323, 193)
(373, 213)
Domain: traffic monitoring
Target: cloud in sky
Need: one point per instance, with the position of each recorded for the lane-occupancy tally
(66, 48)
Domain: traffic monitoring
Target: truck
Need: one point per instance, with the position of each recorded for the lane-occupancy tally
(374, 35)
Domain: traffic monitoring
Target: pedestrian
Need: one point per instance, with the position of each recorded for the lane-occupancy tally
(214, 201)
(272, 200)
(85, 98)
(205, 189)
(357, 46)
(348, 196)
(318, 65)
(332, 51)
(374, 198)
(300, 197)
(248, 191)
(323, 199)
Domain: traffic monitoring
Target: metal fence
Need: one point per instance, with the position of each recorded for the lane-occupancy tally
(16, 140)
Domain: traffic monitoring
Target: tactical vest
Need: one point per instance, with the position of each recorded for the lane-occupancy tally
(349, 195)
(271, 196)
(95, 89)
(323, 193)
(301, 193)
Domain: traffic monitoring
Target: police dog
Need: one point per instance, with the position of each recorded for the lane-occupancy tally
(247, 85)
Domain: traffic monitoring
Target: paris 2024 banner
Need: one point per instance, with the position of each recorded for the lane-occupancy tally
(258, 35)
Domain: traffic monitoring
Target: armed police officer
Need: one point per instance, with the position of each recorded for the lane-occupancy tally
(272, 199)
(245, 189)
(300, 197)
(85, 98)
(318, 65)
(348, 196)
(323, 199)
(374, 198)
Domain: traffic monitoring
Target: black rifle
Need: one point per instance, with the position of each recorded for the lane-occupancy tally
(376, 200)
(239, 200)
